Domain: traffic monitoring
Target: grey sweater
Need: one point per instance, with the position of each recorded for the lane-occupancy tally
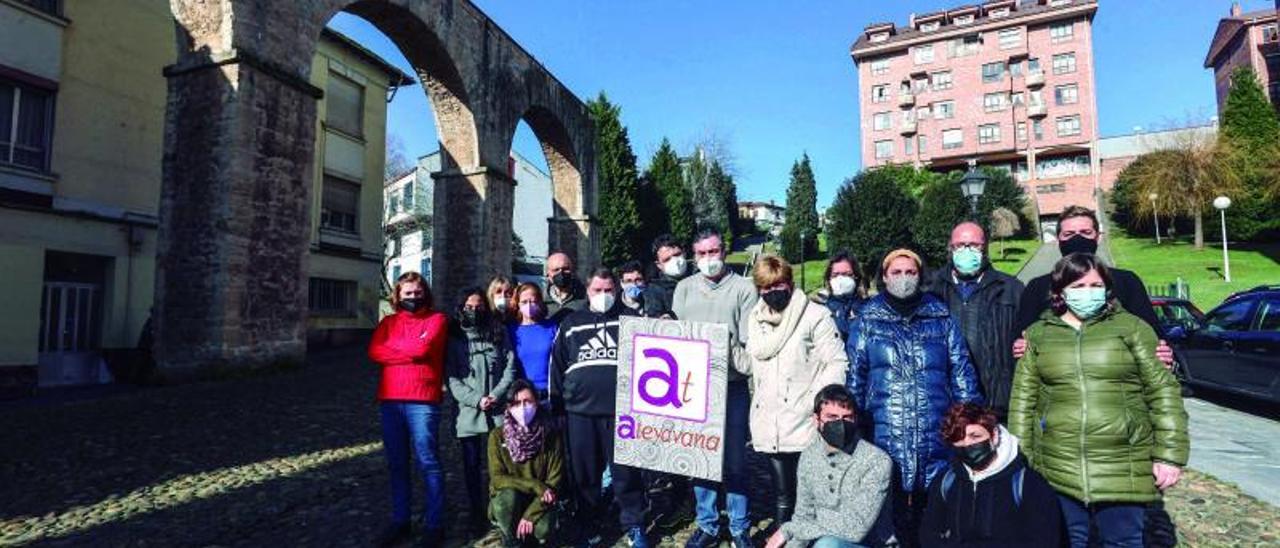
(729, 302)
(838, 494)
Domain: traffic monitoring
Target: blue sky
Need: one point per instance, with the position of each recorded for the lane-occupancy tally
(774, 79)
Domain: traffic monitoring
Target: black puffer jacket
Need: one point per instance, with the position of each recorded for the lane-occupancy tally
(986, 318)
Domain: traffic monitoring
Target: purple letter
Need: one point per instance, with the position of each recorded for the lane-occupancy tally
(671, 378)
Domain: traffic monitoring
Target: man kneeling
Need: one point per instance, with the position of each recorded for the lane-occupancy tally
(841, 483)
(525, 462)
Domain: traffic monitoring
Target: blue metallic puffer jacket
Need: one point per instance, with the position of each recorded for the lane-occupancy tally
(904, 373)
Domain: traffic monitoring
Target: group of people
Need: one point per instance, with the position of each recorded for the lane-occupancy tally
(952, 407)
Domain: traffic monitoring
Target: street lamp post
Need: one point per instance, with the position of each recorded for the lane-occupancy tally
(802, 284)
(1155, 216)
(972, 185)
(1222, 203)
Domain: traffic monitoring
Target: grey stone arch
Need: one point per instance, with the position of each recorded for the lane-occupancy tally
(240, 128)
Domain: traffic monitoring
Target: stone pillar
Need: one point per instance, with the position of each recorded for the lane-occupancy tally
(231, 288)
(578, 237)
(471, 241)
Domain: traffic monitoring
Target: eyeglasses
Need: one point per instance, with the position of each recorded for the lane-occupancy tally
(975, 246)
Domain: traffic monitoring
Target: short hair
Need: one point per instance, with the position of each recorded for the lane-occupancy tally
(708, 232)
(771, 270)
(1073, 211)
(665, 240)
(631, 266)
(537, 290)
(1068, 270)
(603, 274)
(411, 277)
(520, 385)
(961, 415)
(835, 394)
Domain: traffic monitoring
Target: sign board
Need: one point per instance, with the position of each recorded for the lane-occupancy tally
(671, 396)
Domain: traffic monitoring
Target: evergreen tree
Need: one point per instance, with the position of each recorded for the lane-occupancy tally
(871, 216)
(1248, 119)
(665, 174)
(942, 207)
(801, 214)
(1250, 126)
(616, 164)
(725, 195)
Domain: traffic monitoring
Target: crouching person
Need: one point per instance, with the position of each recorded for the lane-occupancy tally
(525, 466)
(988, 496)
(842, 481)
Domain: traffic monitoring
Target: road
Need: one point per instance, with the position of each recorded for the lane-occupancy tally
(1237, 447)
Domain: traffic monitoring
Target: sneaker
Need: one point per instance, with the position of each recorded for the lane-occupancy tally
(701, 539)
(393, 534)
(635, 538)
(742, 540)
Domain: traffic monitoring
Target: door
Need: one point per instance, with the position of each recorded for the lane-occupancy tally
(69, 334)
(1259, 351)
(1211, 350)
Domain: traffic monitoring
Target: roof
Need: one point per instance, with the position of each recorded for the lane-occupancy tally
(1135, 144)
(1231, 27)
(1025, 9)
(398, 77)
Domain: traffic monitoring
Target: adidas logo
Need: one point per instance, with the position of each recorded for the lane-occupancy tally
(600, 347)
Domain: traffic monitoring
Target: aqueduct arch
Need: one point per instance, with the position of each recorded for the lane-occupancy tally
(231, 286)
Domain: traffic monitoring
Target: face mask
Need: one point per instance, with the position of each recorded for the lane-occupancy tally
(902, 286)
(601, 302)
(531, 310)
(1085, 302)
(523, 414)
(1077, 244)
(632, 291)
(842, 435)
(412, 305)
(674, 267)
(776, 299)
(562, 280)
(468, 318)
(978, 455)
(499, 303)
(843, 285)
(710, 266)
(968, 261)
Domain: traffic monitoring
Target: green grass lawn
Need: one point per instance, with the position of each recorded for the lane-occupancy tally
(1008, 256)
(1159, 265)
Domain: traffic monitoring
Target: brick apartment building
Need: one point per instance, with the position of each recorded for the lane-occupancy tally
(1246, 39)
(1006, 83)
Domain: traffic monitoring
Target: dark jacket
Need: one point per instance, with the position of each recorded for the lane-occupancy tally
(904, 373)
(576, 300)
(533, 477)
(584, 362)
(1125, 286)
(657, 297)
(986, 319)
(987, 515)
(843, 309)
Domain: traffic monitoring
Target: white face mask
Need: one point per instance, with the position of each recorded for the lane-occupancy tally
(499, 303)
(710, 266)
(674, 266)
(842, 285)
(902, 285)
(601, 302)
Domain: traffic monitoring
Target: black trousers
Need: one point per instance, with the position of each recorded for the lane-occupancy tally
(590, 444)
(475, 451)
(783, 468)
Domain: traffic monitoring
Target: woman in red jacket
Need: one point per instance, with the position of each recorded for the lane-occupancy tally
(409, 346)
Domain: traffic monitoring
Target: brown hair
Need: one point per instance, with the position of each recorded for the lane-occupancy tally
(515, 298)
(770, 270)
(843, 256)
(411, 277)
(1074, 211)
(1067, 271)
(961, 415)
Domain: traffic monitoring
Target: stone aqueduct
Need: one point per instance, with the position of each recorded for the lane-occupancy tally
(231, 288)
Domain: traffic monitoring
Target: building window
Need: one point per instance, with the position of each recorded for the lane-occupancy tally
(1270, 34)
(952, 138)
(923, 145)
(1033, 65)
(1052, 188)
(993, 102)
(1064, 63)
(963, 20)
(880, 93)
(340, 205)
(884, 150)
(1274, 87)
(966, 46)
(924, 54)
(344, 105)
(1062, 32)
(408, 195)
(1037, 130)
(329, 297)
(1062, 166)
(993, 72)
(879, 67)
(1020, 132)
(942, 80)
(879, 37)
(880, 121)
(51, 7)
(930, 26)
(1068, 126)
(1015, 69)
(924, 112)
(1067, 94)
(908, 144)
(1018, 99)
(920, 84)
(1036, 98)
(988, 134)
(1010, 38)
(944, 110)
(26, 121)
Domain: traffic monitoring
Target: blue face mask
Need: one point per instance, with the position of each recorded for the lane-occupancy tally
(1085, 302)
(633, 291)
(968, 261)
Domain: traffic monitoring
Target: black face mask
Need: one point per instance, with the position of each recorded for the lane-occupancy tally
(562, 280)
(777, 299)
(1077, 244)
(978, 455)
(412, 305)
(470, 318)
(842, 435)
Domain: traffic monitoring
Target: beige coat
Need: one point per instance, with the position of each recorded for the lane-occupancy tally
(793, 355)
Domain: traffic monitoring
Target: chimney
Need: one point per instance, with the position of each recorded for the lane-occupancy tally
(911, 19)
(1235, 9)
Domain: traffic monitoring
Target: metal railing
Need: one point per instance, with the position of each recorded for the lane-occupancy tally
(1179, 289)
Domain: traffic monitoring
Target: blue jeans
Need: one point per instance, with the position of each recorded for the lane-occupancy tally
(413, 428)
(833, 542)
(737, 408)
(1120, 525)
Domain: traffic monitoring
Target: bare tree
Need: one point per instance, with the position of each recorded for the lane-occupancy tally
(397, 160)
(1186, 170)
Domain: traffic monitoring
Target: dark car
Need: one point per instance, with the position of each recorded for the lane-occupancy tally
(1174, 312)
(1236, 346)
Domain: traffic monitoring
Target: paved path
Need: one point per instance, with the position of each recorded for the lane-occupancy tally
(1236, 447)
(1040, 264)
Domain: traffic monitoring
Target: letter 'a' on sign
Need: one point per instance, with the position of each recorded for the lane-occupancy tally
(672, 378)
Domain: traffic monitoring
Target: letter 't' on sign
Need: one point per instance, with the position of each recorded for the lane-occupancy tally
(671, 377)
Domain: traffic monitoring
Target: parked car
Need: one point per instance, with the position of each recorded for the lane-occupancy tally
(1235, 347)
(1174, 312)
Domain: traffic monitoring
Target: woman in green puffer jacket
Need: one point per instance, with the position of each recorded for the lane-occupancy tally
(1098, 414)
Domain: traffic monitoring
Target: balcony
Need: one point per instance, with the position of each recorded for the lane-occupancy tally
(908, 127)
(906, 99)
(1037, 110)
(1035, 79)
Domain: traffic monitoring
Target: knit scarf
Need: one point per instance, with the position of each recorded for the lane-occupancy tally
(523, 443)
(769, 330)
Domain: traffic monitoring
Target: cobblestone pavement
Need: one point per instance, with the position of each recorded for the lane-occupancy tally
(293, 459)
